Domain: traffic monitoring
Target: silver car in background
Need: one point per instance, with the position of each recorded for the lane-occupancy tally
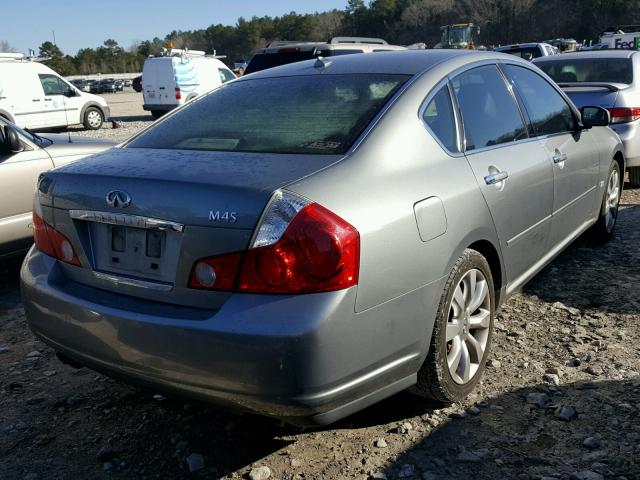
(611, 80)
(23, 157)
(310, 239)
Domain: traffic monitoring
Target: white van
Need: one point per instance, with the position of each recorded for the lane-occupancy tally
(178, 76)
(34, 96)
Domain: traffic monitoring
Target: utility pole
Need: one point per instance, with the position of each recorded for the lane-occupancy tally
(54, 37)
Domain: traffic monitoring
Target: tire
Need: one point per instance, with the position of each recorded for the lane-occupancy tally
(602, 230)
(436, 380)
(634, 176)
(93, 118)
(156, 114)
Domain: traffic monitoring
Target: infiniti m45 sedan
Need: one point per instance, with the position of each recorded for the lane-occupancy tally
(310, 239)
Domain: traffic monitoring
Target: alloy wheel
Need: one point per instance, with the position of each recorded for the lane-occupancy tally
(468, 325)
(611, 200)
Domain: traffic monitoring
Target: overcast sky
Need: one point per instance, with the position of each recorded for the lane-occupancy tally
(78, 24)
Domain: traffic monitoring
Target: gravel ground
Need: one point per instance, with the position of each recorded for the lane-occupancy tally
(560, 399)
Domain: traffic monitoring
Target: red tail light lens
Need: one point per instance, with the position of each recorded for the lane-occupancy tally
(624, 114)
(41, 237)
(178, 93)
(318, 252)
(51, 242)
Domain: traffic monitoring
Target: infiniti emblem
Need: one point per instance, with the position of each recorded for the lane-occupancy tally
(118, 199)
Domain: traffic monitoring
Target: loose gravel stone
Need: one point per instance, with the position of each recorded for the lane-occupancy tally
(260, 473)
(551, 378)
(538, 399)
(195, 461)
(380, 443)
(592, 443)
(565, 413)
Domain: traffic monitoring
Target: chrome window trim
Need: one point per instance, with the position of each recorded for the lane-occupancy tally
(444, 83)
(125, 220)
(484, 63)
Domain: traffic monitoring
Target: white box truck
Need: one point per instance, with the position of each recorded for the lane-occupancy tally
(177, 76)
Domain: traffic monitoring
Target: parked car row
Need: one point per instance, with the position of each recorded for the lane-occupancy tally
(107, 85)
(317, 236)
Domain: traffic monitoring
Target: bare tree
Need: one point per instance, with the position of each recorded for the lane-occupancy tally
(5, 46)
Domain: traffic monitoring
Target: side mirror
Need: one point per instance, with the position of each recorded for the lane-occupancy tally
(12, 142)
(595, 117)
(70, 93)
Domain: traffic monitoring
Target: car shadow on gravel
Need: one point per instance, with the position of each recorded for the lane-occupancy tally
(600, 277)
(583, 430)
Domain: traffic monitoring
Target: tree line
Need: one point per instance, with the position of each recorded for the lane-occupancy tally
(397, 21)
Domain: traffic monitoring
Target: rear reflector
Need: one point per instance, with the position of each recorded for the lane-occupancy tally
(288, 50)
(624, 114)
(178, 93)
(300, 247)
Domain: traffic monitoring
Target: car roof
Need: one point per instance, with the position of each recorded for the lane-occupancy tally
(516, 45)
(610, 53)
(407, 62)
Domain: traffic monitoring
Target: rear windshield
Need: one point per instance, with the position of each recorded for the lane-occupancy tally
(306, 114)
(527, 53)
(607, 70)
(262, 61)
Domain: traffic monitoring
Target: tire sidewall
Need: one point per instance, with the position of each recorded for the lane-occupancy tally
(456, 392)
(602, 234)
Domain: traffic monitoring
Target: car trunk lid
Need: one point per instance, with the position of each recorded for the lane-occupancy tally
(171, 208)
(598, 94)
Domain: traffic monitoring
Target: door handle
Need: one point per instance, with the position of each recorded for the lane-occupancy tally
(496, 178)
(559, 157)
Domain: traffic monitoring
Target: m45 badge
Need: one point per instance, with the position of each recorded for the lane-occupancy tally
(226, 216)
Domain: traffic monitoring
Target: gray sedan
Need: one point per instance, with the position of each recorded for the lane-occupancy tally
(23, 156)
(609, 79)
(310, 239)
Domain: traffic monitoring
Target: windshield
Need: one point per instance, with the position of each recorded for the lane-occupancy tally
(306, 114)
(456, 36)
(527, 52)
(606, 70)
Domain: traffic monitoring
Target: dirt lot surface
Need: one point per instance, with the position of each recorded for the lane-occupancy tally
(560, 399)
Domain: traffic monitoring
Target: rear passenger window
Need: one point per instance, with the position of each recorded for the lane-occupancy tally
(226, 75)
(489, 112)
(438, 116)
(548, 111)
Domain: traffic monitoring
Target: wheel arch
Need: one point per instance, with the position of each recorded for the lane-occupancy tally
(92, 104)
(490, 253)
(618, 156)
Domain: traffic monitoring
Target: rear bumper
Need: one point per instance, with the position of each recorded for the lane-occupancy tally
(158, 107)
(306, 359)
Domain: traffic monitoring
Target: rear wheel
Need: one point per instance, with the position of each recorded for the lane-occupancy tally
(93, 118)
(602, 230)
(634, 176)
(156, 113)
(462, 332)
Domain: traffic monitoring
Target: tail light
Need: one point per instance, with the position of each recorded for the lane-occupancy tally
(624, 114)
(51, 242)
(178, 93)
(299, 247)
